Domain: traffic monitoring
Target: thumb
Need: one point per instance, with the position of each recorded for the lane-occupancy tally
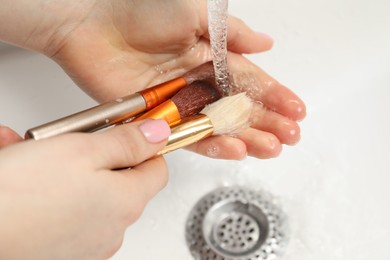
(8, 136)
(130, 144)
(242, 39)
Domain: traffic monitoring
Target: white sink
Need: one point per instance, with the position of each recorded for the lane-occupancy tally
(333, 186)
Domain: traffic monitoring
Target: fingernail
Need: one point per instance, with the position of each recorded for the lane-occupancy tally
(264, 35)
(296, 107)
(155, 131)
(272, 142)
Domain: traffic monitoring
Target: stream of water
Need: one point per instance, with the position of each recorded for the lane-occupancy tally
(217, 16)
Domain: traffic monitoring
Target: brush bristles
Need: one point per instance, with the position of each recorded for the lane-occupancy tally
(205, 73)
(193, 98)
(202, 72)
(230, 114)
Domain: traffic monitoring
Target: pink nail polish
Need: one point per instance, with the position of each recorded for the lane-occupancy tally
(155, 131)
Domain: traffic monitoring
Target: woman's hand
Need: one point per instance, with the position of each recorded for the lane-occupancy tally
(142, 43)
(61, 199)
(113, 48)
(274, 120)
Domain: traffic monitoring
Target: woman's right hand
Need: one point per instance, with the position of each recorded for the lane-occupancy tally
(61, 199)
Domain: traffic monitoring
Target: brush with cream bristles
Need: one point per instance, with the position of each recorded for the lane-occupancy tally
(228, 115)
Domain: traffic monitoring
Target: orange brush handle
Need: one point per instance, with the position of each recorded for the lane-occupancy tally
(167, 111)
(158, 94)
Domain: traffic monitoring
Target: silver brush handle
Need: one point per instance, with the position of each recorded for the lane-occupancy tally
(92, 119)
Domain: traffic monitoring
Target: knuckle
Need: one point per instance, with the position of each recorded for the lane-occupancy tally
(80, 142)
(129, 146)
(114, 248)
(136, 209)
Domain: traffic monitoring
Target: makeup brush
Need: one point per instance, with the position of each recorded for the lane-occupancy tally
(228, 115)
(188, 101)
(121, 109)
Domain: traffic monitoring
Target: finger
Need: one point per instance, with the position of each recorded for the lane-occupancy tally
(130, 144)
(260, 144)
(151, 176)
(242, 39)
(220, 147)
(140, 184)
(286, 130)
(282, 100)
(116, 245)
(247, 77)
(8, 136)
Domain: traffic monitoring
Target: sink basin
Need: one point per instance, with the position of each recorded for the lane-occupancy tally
(333, 186)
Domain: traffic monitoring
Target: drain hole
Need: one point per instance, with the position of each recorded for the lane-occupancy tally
(225, 224)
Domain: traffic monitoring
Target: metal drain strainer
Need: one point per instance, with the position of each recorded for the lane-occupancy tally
(236, 223)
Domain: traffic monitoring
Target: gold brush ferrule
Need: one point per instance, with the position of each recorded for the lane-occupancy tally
(189, 131)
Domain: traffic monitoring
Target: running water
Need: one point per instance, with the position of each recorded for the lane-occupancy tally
(217, 15)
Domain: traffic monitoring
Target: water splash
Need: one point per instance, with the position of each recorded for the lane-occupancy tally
(217, 15)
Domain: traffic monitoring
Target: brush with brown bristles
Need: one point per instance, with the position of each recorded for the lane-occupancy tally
(228, 115)
(188, 101)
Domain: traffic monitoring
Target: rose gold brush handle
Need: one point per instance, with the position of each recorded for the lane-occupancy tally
(91, 119)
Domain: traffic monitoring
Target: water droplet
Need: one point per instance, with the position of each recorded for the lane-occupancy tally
(213, 151)
(159, 69)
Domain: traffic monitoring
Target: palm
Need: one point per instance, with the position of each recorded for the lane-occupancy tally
(109, 58)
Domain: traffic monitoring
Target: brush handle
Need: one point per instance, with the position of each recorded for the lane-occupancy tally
(166, 110)
(92, 119)
(189, 131)
(109, 113)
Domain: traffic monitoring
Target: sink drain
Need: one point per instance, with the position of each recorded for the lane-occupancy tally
(236, 223)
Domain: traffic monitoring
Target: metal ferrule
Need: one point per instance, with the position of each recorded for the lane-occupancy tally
(189, 131)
